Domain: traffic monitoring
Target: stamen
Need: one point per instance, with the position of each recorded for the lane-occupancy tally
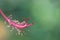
(26, 19)
(8, 26)
(15, 23)
(10, 16)
(28, 30)
(5, 22)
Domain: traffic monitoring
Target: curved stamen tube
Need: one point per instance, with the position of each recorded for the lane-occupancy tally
(12, 23)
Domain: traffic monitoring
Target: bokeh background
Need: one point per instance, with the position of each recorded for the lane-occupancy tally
(44, 13)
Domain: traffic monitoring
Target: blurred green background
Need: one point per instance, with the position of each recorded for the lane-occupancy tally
(44, 13)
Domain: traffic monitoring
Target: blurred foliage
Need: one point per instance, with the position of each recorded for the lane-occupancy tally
(45, 14)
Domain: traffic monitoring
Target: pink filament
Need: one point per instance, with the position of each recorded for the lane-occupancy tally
(12, 23)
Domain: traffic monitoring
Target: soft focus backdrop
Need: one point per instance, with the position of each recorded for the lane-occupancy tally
(44, 13)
